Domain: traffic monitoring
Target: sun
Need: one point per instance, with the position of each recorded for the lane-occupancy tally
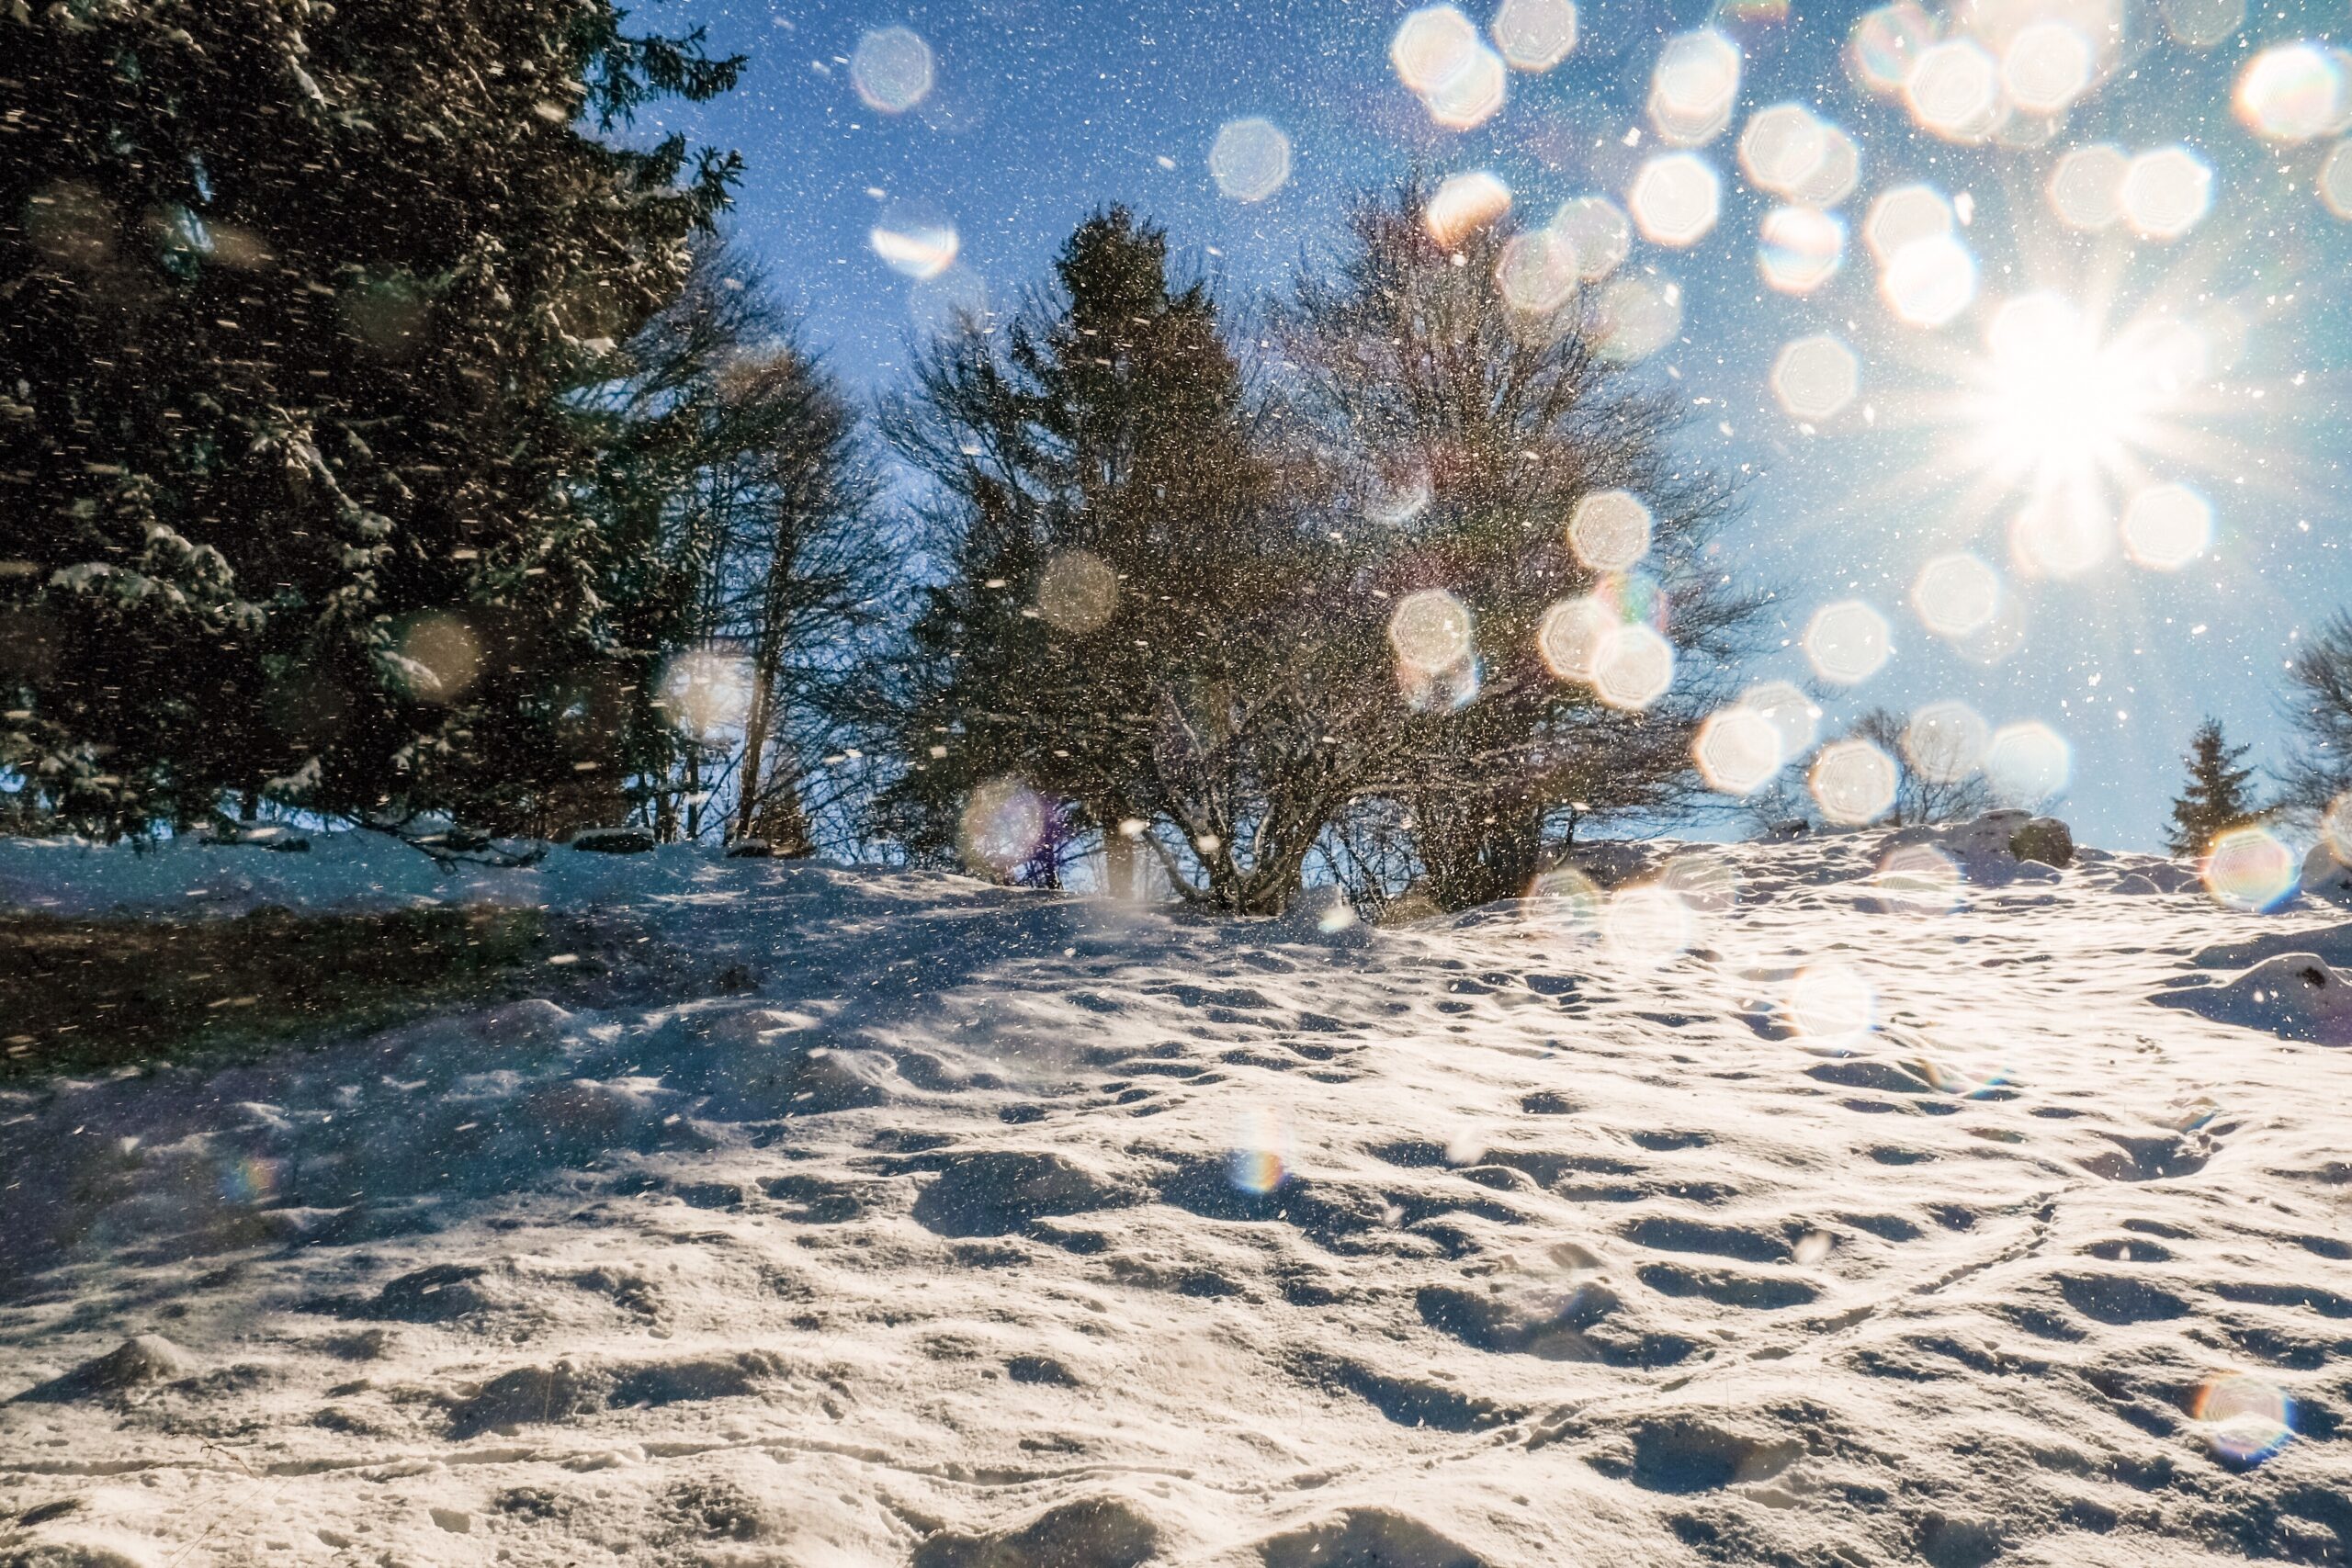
(2073, 430)
(2053, 406)
(2055, 402)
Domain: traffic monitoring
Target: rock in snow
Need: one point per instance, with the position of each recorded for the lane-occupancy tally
(612, 841)
(2325, 877)
(1750, 1217)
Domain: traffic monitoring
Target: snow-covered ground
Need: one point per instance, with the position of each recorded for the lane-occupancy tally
(1006, 1229)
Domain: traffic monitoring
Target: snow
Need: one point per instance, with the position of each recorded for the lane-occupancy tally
(2325, 877)
(994, 1229)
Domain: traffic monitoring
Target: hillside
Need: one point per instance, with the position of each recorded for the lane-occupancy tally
(1776, 1214)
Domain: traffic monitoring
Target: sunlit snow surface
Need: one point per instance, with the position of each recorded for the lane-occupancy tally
(1007, 1228)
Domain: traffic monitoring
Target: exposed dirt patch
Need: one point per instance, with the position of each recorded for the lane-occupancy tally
(86, 995)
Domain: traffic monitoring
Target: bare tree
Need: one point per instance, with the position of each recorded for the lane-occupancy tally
(2317, 705)
(1467, 421)
(1933, 781)
(777, 565)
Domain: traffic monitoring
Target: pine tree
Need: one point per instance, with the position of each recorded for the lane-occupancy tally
(2217, 796)
(295, 300)
(1103, 499)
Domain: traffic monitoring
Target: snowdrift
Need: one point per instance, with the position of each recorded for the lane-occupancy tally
(1818, 1212)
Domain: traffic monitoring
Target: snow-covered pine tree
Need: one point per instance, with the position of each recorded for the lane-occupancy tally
(1104, 497)
(2217, 796)
(292, 300)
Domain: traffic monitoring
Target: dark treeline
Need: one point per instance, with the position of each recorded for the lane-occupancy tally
(384, 440)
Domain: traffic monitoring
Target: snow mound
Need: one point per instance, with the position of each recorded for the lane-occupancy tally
(1100, 1532)
(2325, 877)
(1011, 1230)
(2296, 995)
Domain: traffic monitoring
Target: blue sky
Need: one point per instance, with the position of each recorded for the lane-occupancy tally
(1040, 112)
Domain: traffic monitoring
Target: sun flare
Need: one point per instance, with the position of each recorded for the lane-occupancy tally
(2056, 402)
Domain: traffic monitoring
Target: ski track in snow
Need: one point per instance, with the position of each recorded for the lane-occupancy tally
(930, 1249)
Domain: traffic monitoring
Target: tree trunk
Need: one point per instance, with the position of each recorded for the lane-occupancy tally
(761, 723)
(754, 804)
(1478, 850)
(1126, 878)
(780, 818)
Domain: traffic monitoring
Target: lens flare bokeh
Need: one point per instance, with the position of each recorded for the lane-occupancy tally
(1946, 741)
(250, 1180)
(1693, 86)
(1636, 317)
(1537, 272)
(1852, 782)
(1814, 379)
(1078, 592)
(1564, 905)
(1003, 824)
(1796, 715)
(707, 690)
(1610, 530)
(1464, 204)
(1633, 666)
(1930, 281)
(1570, 636)
(1431, 630)
(2165, 192)
(1956, 595)
(2086, 186)
(2249, 868)
(1262, 1159)
(1535, 35)
(1646, 926)
(1441, 58)
(1831, 1004)
(1250, 160)
(1846, 642)
(436, 658)
(1597, 231)
(2296, 92)
(1432, 46)
(915, 241)
(1918, 879)
(1778, 147)
(1886, 42)
(1799, 249)
(1903, 216)
(1737, 750)
(2246, 1419)
(892, 69)
(1954, 90)
(2165, 526)
(1675, 198)
(2027, 763)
